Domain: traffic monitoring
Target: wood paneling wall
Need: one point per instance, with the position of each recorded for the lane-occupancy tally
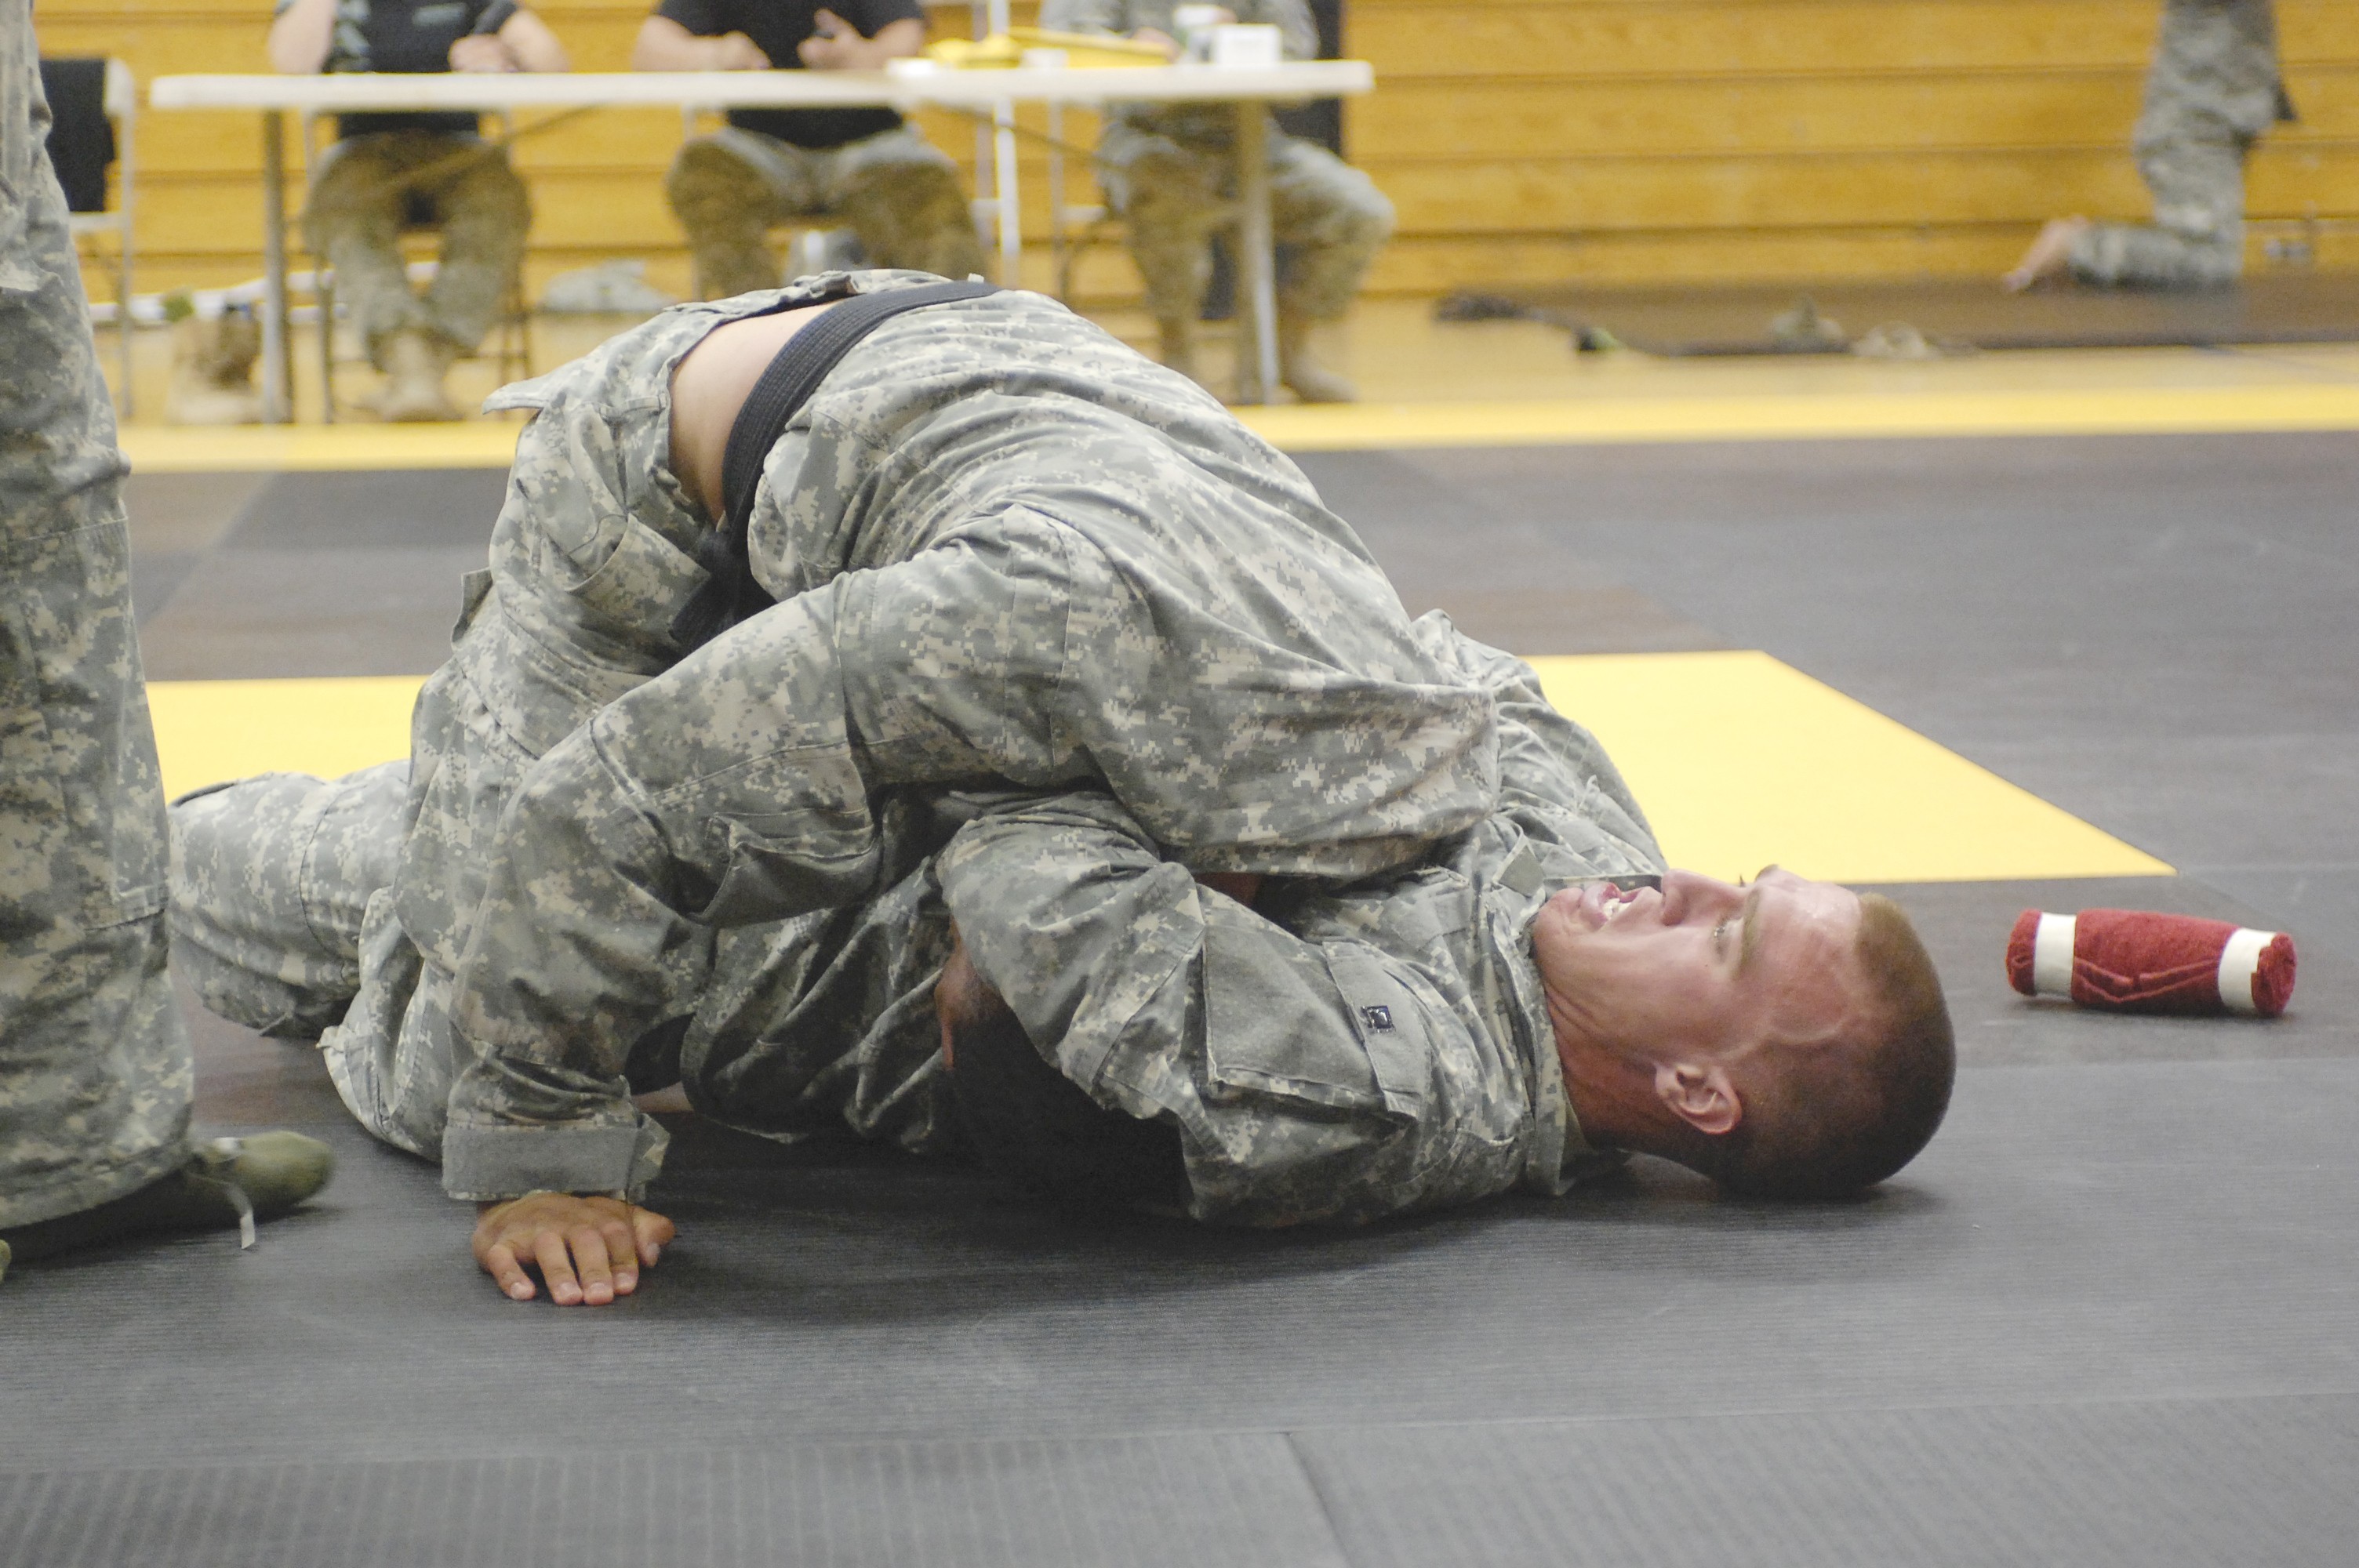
(1522, 140)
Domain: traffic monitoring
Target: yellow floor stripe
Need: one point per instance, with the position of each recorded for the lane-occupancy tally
(208, 730)
(292, 449)
(1657, 415)
(1740, 759)
(2108, 411)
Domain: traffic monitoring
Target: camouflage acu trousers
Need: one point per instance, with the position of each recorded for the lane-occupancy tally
(95, 1074)
(365, 194)
(281, 921)
(898, 193)
(2214, 89)
(1175, 193)
(2197, 238)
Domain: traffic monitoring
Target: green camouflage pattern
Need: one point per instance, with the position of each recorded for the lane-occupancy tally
(2214, 89)
(96, 1073)
(1169, 170)
(895, 189)
(359, 204)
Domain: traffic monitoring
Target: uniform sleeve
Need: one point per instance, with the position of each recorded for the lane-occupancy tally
(1329, 1081)
(725, 792)
(701, 17)
(728, 791)
(1556, 782)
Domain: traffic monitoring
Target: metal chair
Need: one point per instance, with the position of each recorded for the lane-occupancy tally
(95, 109)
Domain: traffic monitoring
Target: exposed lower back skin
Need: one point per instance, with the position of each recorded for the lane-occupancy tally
(710, 386)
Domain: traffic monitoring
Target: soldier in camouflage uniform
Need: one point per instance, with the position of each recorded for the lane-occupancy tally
(1168, 170)
(1056, 641)
(2214, 87)
(388, 172)
(865, 166)
(96, 1073)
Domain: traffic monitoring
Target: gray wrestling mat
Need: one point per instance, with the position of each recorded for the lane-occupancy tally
(2112, 1315)
(1954, 313)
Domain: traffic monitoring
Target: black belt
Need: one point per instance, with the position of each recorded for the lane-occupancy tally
(729, 594)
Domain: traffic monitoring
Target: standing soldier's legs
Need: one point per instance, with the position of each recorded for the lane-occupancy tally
(96, 1073)
(727, 189)
(2197, 238)
(901, 195)
(1335, 220)
(1172, 198)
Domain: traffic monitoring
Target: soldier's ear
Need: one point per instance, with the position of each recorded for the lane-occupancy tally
(1703, 1096)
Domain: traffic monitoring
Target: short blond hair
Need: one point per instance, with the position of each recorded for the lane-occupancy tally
(1844, 1120)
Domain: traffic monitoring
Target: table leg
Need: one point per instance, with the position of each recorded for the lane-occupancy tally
(1005, 197)
(277, 348)
(1256, 268)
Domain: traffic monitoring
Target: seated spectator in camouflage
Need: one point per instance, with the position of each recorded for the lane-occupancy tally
(1168, 169)
(96, 1078)
(388, 172)
(1085, 799)
(2214, 89)
(863, 166)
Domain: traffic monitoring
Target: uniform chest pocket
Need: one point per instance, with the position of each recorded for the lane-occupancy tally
(644, 581)
(1316, 1026)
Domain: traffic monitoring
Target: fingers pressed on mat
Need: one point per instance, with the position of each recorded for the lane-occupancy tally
(556, 1268)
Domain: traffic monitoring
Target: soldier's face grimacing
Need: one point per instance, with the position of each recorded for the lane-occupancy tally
(1702, 966)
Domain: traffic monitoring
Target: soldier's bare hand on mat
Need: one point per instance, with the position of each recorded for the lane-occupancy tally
(589, 1250)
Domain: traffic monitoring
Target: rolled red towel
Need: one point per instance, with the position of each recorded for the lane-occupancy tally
(2137, 961)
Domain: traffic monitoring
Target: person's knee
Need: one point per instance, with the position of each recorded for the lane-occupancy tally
(355, 183)
(712, 184)
(491, 193)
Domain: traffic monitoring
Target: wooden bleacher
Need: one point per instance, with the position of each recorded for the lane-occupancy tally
(1522, 140)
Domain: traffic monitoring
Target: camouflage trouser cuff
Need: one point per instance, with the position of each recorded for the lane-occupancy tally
(491, 1164)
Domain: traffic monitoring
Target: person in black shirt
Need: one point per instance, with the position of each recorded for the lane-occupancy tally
(867, 167)
(388, 170)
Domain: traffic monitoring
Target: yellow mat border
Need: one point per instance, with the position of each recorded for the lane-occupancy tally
(1743, 759)
(2192, 410)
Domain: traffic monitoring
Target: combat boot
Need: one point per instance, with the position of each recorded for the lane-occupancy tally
(1299, 369)
(224, 1182)
(212, 370)
(415, 363)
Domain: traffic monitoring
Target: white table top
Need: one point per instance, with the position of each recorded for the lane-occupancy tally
(489, 92)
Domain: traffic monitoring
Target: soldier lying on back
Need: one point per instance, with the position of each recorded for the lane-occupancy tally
(1071, 686)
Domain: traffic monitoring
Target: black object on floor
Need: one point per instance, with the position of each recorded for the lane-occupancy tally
(1956, 313)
